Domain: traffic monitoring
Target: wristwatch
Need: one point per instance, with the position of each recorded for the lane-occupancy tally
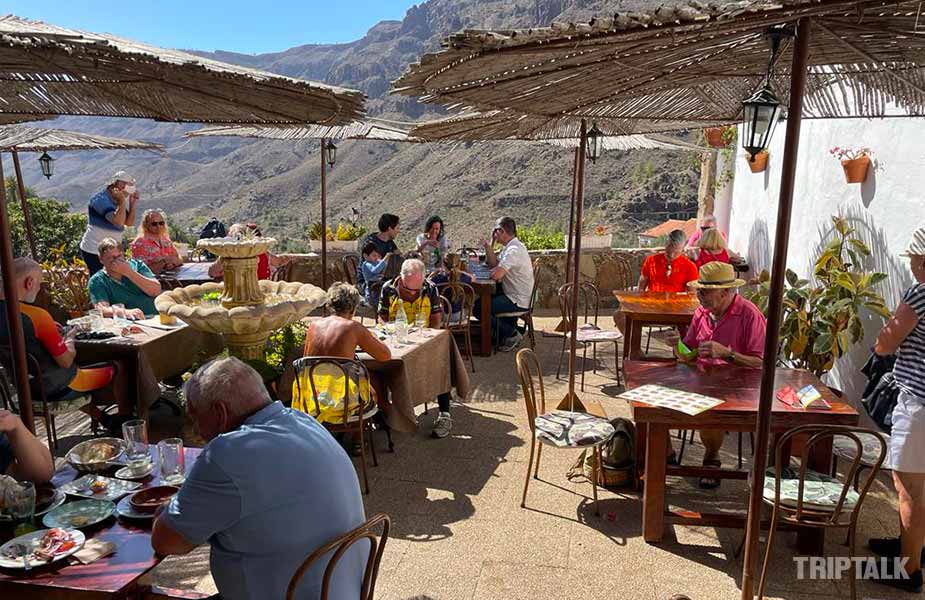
(732, 355)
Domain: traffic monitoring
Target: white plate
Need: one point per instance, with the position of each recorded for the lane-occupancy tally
(115, 489)
(127, 473)
(32, 540)
(124, 509)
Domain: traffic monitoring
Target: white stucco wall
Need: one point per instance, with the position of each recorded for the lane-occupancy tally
(885, 209)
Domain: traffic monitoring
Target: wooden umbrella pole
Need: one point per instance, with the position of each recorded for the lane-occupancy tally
(576, 271)
(324, 220)
(26, 217)
(17, 339)
(775, 302)
(571, 218)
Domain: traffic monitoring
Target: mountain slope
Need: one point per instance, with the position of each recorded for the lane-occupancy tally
(276, 183)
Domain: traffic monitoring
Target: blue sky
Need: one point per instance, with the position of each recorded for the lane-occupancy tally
(236, 25)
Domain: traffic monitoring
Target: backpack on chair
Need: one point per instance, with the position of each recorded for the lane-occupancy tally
(618, 455)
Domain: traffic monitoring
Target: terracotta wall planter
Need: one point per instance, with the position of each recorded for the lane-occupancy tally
(856, 169)
(714, 136)
(760, 163)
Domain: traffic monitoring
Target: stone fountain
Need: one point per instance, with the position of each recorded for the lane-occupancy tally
(248, 310)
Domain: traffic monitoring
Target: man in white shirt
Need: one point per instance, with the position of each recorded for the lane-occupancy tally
(514, 269)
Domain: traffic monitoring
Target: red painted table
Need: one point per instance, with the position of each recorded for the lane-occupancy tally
(115, 576)
(645, 309)
(739, 388)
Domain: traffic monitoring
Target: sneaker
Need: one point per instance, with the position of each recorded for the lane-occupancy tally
(442, 425)
(511, 343)
(888, 547)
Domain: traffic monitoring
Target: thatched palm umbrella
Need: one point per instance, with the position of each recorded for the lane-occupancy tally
(15, 139)
(51, 70)
(367, 129)
(697, 62)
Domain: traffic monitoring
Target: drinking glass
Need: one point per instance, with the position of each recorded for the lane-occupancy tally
(118, 313)
(19, 499)
(96, 319)
(419, 321)
(170, 452)
(135, 434)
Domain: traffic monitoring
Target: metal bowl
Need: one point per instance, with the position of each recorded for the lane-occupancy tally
(95, 455)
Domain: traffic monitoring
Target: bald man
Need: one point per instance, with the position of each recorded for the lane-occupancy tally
(270, 486)
(56, 354)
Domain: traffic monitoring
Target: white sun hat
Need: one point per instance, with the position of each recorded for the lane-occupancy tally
(120, 176)
(916, 246)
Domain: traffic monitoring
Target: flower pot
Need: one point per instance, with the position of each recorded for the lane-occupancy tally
(596, 241)
(760, 162)
(335, 245)
(714, 136)
(856, 169)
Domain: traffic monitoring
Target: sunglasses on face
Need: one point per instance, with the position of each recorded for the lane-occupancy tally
(157, 223)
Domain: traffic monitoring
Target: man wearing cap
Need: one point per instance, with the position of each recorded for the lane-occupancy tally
(726, 329)
(108, 212)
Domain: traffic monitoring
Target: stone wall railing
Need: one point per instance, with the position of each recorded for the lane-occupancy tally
(608, 269)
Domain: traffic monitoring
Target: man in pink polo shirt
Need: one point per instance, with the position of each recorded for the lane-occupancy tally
(727, 329)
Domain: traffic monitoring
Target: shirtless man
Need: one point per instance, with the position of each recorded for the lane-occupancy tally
(339, 335)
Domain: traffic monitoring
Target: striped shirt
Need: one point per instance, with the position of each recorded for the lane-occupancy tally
(909, 371)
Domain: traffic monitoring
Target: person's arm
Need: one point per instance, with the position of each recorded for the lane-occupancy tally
(436, 309)
(31, 459)
(384, 304)
(491, 258)
(118, 216)
(143, 278)
(498, 273)
(132, 209)
(166, 541)
(896, 330)
(371, 345)
(643, 283)
(61, 349)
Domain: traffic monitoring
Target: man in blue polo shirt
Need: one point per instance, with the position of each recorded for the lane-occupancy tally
(270, 486)
(109, 211)
(123, 281)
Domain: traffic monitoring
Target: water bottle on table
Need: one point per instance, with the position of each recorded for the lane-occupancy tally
(401, 325)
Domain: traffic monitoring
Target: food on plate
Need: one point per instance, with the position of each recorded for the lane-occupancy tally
(95, 335)
(98, 453)
(55, 542)
(167, 319)
(98, 486)
(131, 329)
(80, 521)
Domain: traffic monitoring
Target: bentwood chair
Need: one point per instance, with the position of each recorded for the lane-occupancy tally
(557, 428)
(337, 392)
(350, 264)
(337, 548)
(527, 315)
(808, 498)
(588, 333)
(465, 295)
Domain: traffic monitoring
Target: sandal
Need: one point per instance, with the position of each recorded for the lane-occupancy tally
(710, 483)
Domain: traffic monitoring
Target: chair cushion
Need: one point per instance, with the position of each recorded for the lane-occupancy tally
(567, 429)
(820, 492)
(845, 448)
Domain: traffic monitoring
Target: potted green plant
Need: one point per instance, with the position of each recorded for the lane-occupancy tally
(344, 239)
(822, 319)
(855, 162)
(66, 282)
(719, 137)
(599, 237)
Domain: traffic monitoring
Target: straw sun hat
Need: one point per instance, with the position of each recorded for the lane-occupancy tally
(717, 275)
(917, 245)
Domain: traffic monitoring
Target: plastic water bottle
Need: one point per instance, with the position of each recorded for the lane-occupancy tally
(401, 324)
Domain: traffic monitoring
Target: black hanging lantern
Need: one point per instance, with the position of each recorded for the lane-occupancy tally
(595, 143)
(330, 153)
(48, 165)
(762, 110)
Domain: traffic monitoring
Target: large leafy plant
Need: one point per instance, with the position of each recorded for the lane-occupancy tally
(66, 280)
(823, 319)
(541, 236)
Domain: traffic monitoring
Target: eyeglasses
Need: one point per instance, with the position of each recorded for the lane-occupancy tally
(157, 223)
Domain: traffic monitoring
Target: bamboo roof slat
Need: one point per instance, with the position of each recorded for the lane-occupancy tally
(46, 69)
(37, 139)
(687, 63)
(367, 129)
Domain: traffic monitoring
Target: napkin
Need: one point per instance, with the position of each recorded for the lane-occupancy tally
(94, 550)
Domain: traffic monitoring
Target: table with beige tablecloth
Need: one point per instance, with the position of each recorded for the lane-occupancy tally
(428, 365)
(152, 356)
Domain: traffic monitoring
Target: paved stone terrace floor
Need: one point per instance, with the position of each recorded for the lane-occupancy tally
(458, 531)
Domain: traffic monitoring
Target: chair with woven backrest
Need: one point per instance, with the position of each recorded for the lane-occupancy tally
(588, 332)
(557, 428)
(337, 392)
(527, 315)
(337, 548)
(463, 294)
(807, 498)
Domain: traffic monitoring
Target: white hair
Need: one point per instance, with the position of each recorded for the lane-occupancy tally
(411, 266)
(228, 381)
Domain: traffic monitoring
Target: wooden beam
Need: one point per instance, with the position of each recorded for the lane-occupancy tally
(26, 216)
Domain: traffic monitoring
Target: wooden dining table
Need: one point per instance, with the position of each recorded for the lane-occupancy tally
(151, 356)
(738, 387)
(647, 309)
(111, 577)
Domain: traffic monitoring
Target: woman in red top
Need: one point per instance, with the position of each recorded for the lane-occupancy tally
(668, 271)
(153, 245)
(712, 248)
